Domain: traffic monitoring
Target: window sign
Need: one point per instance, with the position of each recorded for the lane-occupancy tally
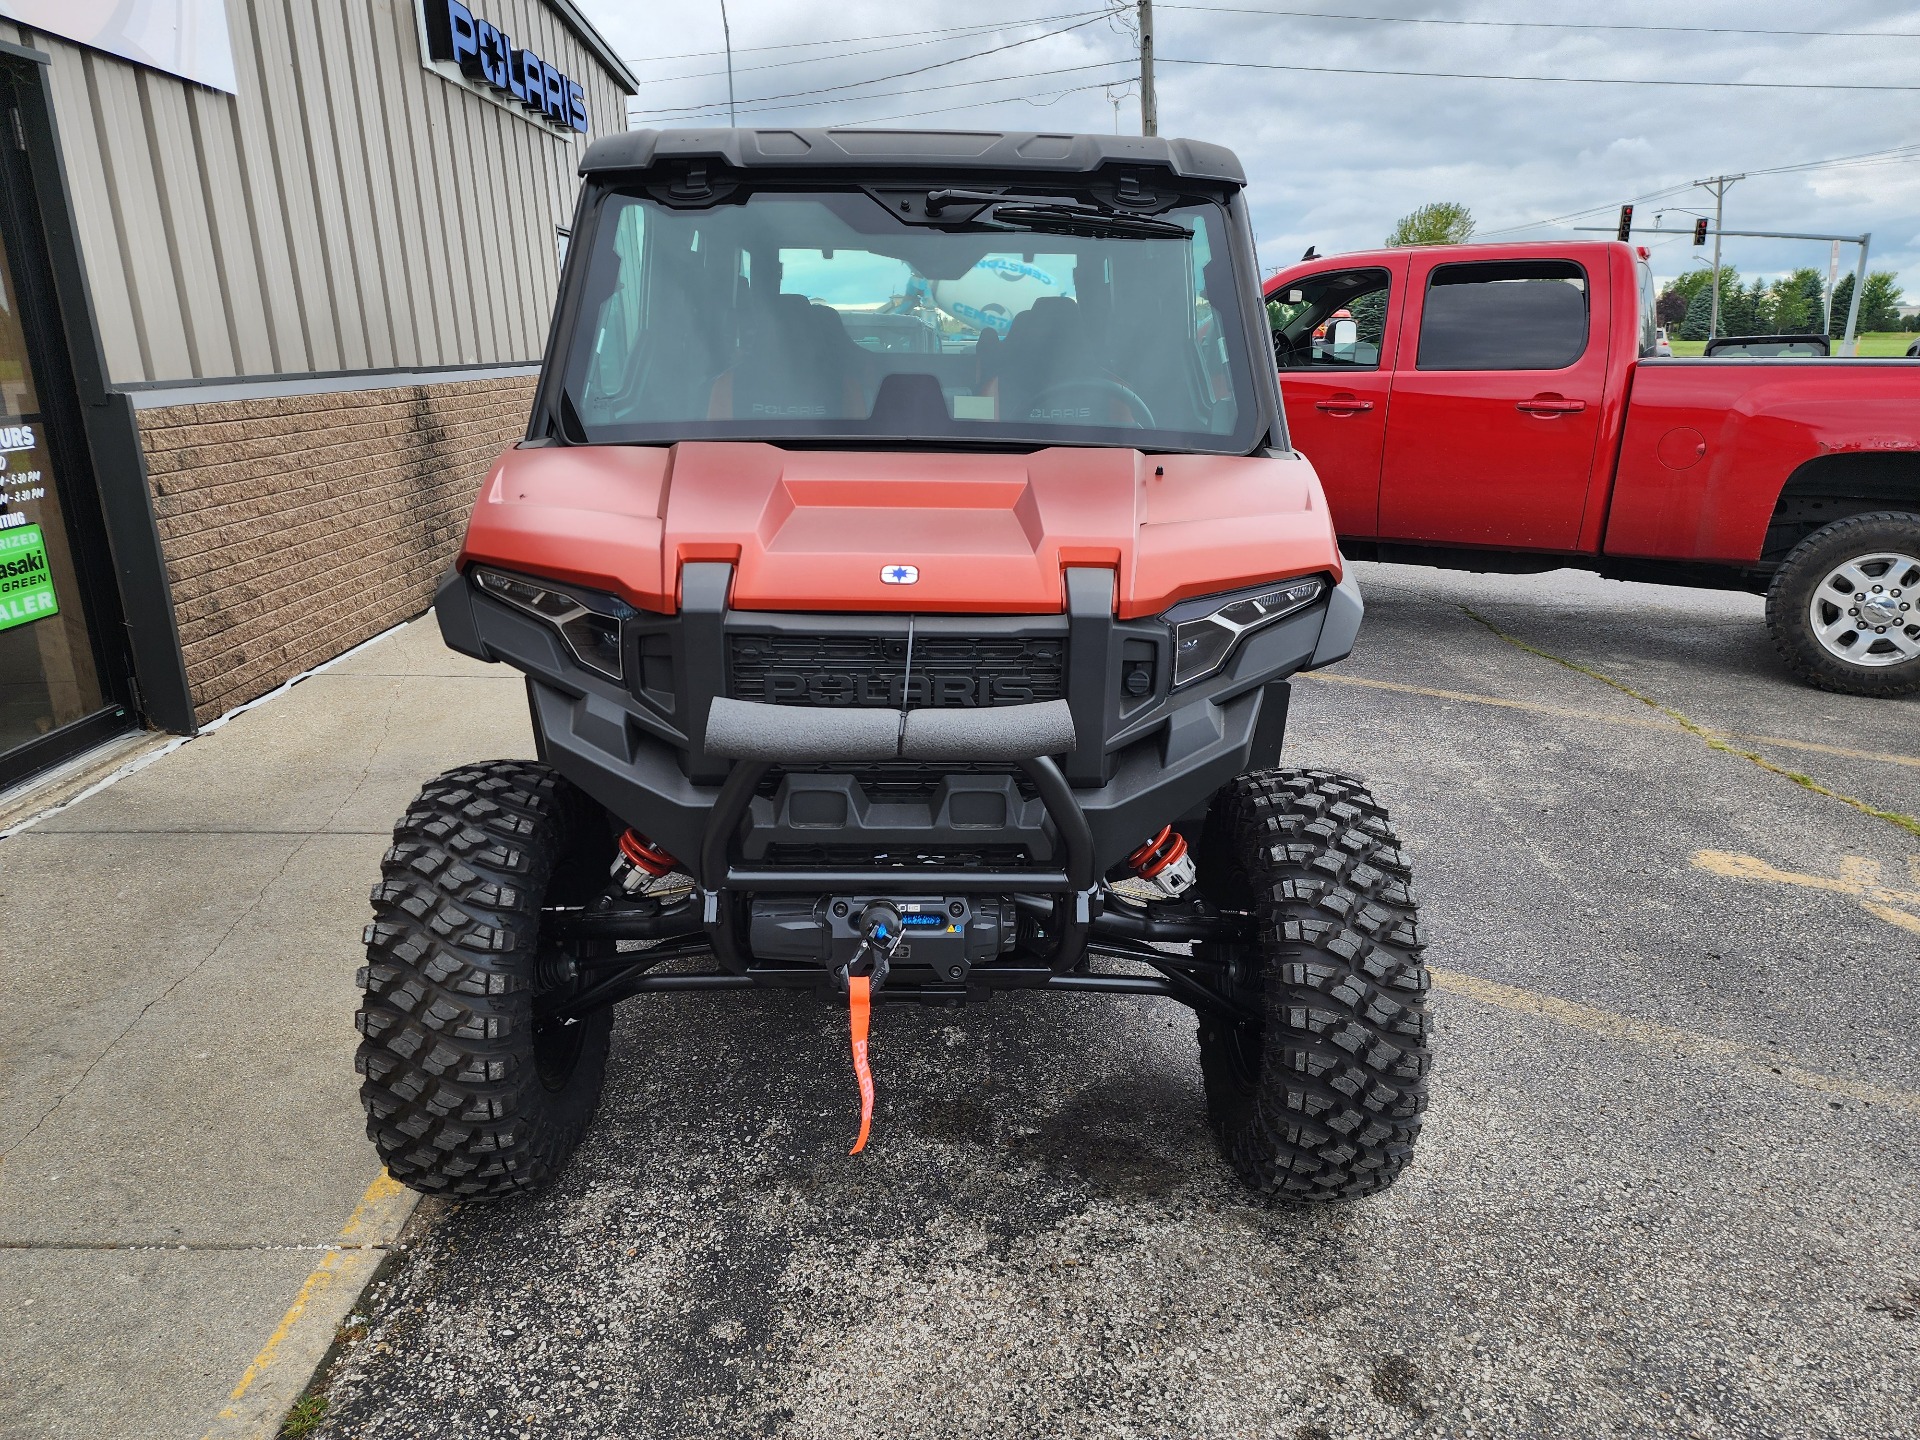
(26, 583)
(464, 44)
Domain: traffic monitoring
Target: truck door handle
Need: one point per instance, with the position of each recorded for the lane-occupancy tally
(1551, 405)
(1343, 405)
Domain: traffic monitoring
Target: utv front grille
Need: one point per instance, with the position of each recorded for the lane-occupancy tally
(900, 782)
(948, 671)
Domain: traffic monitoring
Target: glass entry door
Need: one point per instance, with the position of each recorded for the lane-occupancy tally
(56, 694)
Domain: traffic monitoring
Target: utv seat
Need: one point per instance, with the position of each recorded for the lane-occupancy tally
(799, 365)
(1051, 344)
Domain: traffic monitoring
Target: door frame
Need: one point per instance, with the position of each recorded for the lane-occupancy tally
(136, 639)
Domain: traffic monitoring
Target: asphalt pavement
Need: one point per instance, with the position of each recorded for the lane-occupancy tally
(1666, 1188)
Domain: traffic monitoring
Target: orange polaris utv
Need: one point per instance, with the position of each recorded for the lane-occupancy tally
(906, 559)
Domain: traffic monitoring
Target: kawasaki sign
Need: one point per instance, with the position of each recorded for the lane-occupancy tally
(26, 583)
(485, 53)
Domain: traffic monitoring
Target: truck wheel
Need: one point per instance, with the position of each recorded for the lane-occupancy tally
(1844, 608)
(465, 1096)
(1320, 1098)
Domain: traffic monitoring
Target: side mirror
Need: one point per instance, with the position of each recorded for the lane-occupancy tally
(1344, 335)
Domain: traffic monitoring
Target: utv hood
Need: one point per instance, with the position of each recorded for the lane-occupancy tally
(901, 531)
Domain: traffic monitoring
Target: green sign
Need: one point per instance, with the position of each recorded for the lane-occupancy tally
(26, 584)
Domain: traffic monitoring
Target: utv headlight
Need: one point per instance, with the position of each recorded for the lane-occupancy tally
(588, 622)
(1203, 644)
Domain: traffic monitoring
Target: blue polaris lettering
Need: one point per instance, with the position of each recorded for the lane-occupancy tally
(485, 53)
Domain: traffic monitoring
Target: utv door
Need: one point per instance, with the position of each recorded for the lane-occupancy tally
(1334, 340)
(1497, 404)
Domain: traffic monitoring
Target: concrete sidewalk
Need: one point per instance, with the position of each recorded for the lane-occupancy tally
(187, 1196)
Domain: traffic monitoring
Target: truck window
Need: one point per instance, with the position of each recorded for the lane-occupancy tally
(1504, 315)
(1649, 308)
(1337, 320)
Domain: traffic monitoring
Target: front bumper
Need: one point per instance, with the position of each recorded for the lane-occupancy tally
(1136, 761)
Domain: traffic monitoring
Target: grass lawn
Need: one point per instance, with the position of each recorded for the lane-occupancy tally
(1881, 343)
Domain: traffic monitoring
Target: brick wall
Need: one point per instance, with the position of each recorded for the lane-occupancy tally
(296, 527)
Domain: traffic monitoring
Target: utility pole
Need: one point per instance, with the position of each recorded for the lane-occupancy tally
(1149, 105)
(727, 31)
(1718, 184)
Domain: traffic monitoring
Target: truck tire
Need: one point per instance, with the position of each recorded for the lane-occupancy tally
(1844, 608)
(465, 1097)
(1320, 1098)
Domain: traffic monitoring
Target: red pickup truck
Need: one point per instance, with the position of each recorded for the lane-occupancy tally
(1502, 408)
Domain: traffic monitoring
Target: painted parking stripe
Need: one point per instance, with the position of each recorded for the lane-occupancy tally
(1637, 722)
(285, 1363)
(1749, 1060)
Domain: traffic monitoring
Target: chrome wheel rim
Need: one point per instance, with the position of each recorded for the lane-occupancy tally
(1867, 610)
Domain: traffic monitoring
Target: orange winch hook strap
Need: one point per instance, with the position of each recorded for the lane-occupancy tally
(858, 1007)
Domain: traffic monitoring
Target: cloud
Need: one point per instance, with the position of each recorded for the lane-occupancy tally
(1334, 158)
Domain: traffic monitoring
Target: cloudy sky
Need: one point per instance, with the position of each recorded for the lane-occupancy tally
(1334, 158)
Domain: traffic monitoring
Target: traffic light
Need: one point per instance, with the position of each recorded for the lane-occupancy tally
(1626, 221)
(1700, 231)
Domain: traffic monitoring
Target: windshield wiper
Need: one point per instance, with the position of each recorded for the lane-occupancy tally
(1057, 217)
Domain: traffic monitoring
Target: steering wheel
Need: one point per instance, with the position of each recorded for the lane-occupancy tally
(1112, 389)
(1292, 353)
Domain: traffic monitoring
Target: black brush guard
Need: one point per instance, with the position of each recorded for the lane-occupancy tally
(1081, 916)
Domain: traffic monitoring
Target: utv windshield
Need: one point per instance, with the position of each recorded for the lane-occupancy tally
(1028, 320)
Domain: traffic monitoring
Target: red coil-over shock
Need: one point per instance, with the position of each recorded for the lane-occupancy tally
(641, 865)
(1163, 863)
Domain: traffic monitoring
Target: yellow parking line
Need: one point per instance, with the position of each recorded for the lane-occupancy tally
(360, 1247)
(1748, 1059)
(1565, 712)
(1638, 722)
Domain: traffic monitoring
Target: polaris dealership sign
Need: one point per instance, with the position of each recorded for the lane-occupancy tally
(458, 41)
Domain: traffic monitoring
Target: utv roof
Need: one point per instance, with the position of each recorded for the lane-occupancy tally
(917, 150)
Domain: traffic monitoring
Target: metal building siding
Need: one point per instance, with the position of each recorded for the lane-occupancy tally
(356, 212)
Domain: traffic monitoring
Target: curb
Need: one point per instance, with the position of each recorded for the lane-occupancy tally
(287, 1361)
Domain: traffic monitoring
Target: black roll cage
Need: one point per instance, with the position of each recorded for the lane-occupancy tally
(699, 181)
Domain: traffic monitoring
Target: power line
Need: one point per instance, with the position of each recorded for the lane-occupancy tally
(1592, 210)
(977, 26)
(1549, 24)
(943, 39)
(1892, 155)
(896, 75)
(1039, 102)
(1537, 79)
(924, 89)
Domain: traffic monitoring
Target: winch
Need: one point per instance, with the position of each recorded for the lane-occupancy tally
(946, 935)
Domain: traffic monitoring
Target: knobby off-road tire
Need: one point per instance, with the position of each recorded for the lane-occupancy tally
(1321, 1097)
(464, 1097)
(1871, 649)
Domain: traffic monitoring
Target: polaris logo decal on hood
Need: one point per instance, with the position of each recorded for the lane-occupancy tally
(900, 574)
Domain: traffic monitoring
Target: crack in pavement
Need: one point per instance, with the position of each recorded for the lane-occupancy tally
(1708, 737)
(179, 980)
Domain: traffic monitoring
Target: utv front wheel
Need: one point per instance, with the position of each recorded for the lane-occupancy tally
(465, 1095)
(1317, 1096)
(1844, 607)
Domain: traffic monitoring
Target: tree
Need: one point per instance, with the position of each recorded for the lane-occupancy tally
(1798, 302)
(1694, 326)
(1697, 286)
(1880, 302)
(1743, 309)
(1693, 282)
(1670, 307)
(1441, 223)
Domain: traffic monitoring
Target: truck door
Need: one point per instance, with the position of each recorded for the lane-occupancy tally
(1496, 420)
(1333, 339)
